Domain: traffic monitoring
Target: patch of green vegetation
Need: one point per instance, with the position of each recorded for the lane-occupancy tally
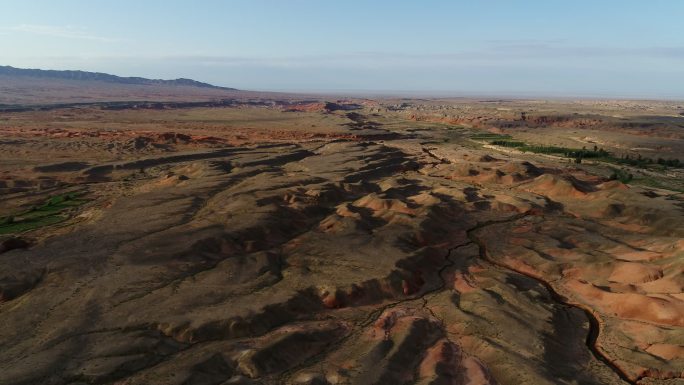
(54, 210)
(599, 154)
(507, 143)
(490, 136)
(576, 153)
(621, 175)
(595, 153)
(551, 150)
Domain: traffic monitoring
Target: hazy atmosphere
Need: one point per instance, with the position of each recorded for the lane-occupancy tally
(529, 48)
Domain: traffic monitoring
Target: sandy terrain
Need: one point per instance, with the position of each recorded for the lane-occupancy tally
(347, 242)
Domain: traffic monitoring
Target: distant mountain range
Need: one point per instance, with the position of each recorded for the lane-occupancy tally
(103, 77)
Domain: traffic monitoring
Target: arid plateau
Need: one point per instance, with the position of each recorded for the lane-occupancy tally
(206, 236)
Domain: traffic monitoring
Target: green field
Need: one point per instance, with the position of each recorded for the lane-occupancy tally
(581, 153)
(54, 210)
(489, 136)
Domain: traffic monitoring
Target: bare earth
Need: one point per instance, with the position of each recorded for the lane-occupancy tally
(277, 241)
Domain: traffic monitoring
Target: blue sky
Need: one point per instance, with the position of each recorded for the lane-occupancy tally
(556, 48)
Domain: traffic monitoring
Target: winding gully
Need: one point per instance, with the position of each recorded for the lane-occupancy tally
(594, 325)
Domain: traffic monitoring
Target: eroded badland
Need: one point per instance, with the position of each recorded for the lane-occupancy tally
(265, 241)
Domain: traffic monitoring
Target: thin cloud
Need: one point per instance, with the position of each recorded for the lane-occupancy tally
(527, 54)
(511, 55)
(66, 32)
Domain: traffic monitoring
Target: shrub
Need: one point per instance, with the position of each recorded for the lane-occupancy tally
(621, 175)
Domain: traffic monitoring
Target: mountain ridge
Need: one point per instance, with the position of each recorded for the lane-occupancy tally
(104, 77)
